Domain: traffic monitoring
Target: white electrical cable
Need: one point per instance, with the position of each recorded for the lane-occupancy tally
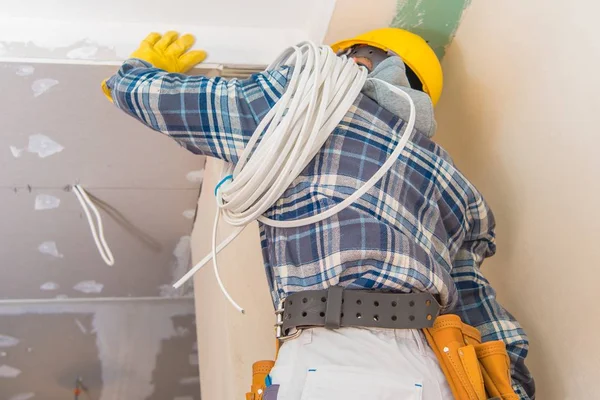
(86, 204)
(320, 92)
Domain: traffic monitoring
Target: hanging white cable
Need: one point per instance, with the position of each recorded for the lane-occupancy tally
(86, 203)
(320, 92)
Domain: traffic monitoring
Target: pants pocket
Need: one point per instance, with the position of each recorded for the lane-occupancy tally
(347, 383)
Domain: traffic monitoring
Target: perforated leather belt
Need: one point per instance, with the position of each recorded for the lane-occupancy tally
(335, 307)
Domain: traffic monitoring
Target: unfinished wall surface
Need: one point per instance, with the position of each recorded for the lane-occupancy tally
(229, 342)
(63, 312)
(436, 21)
(142, 349)
(520, 116)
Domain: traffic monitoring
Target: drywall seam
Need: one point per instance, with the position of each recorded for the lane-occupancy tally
(436, 21)
(114, 63)
(238, 39)
(23, 396)
(134, 380)
(65, 301)
(117, 327)
(180, 265)
(67, 188)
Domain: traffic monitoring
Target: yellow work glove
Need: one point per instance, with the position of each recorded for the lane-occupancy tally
(168, 52)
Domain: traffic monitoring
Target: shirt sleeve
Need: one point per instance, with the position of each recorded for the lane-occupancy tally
(477, 304)
(209, 116)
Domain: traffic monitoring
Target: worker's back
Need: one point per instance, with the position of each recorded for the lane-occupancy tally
(402, 235)
(422, 228)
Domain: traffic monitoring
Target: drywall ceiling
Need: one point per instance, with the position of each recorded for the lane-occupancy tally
(63, 312)
(147, 179)
(232, 31)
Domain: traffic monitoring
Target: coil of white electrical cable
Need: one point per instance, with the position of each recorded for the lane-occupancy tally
(320, 92)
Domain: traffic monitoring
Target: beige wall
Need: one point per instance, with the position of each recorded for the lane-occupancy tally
(228, 341)
(520, 115)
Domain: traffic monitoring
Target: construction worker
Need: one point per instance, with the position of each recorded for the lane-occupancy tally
(423, 230)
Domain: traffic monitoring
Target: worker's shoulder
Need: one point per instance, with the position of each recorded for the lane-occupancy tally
(426, 143)
(368, 114)
(268, 84)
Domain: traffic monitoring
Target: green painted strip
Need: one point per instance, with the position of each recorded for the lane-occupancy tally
(434, 20)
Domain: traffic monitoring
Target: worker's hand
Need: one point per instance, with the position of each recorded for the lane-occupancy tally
(106, 90)
(169, 52)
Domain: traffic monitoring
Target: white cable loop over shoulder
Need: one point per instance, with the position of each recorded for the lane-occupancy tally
(86, 204)
(320, 92)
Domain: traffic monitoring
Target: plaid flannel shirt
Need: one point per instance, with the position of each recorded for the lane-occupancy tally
(422, 227)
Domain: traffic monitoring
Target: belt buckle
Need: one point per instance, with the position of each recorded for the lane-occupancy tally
(279, 334)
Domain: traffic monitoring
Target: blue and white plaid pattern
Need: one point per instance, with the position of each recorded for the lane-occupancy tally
(423, 227)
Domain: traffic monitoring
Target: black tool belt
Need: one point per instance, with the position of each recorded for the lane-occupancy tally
(335, 308)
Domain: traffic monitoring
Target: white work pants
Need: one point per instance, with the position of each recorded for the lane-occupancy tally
(359, 363)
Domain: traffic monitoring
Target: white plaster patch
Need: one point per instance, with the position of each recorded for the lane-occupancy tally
(195, 346)
(183, 398)
(182, 254)
(46, 202)
(189, 214)
(41, 86)
(3, 354)
(8, 341)
(80, 326)
(6, 371)
(192, 380)
(16, 152)
(29, 349)
(83, 53)
(50, 249)
(167, 291)
(43, 145)
(25, 70)
(181, 331)
(129, 337)
(89, 287)
(193, 359)
(140, 330)
(23, 396)
(195, 176)
(62, 297)
(49, 286)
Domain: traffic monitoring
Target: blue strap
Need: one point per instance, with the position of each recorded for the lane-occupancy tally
(268, 381)
(222, 181)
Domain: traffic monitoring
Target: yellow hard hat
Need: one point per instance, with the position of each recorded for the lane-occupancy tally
(414, 51)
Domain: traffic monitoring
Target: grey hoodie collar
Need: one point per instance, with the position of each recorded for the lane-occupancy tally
(392, 70)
